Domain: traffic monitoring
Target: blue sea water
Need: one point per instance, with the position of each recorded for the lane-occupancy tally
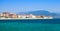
(30, 25)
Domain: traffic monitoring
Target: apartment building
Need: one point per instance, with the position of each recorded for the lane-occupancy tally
(13, 16)
(9, 15)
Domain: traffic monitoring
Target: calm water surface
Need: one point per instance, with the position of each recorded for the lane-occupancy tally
(30, 25)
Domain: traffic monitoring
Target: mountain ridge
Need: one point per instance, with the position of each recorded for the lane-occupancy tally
(42, 12)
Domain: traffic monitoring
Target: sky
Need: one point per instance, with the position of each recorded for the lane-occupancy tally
(15, 6)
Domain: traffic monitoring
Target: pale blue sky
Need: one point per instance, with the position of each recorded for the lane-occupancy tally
(15, 6)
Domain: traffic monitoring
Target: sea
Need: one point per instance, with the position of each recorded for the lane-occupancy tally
(30, 25)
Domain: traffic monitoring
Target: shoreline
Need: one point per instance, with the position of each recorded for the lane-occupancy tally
(20, 18)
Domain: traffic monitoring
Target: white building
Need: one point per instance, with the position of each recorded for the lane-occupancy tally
(48, 17)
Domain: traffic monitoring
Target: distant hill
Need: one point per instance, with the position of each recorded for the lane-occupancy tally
(42, 12)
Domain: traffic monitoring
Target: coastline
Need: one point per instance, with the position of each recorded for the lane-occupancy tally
(19, 18)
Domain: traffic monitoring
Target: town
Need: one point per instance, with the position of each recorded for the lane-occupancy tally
(13, 16)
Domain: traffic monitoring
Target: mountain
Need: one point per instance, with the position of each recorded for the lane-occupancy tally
(42, 12)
